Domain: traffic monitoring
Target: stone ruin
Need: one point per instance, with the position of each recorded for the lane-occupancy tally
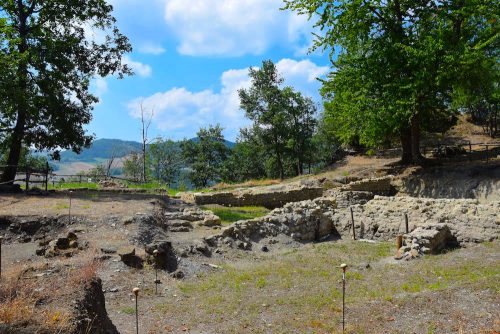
(434, 224)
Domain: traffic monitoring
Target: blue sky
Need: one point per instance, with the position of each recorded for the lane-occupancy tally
(191, 57)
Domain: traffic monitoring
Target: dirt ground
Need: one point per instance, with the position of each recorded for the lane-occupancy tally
(293, 288)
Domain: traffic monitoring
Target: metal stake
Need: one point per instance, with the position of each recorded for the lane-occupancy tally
(69, 212)
(353, 226)
(1, 239)
(344, 267)
(136, 293)
(155, 254)
(407, 229)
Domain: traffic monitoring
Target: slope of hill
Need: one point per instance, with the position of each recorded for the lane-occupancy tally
(102, 149)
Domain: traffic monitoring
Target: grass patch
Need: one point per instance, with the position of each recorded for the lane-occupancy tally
(230, 215)
(73, 185)
(128, 310)
(305, 284)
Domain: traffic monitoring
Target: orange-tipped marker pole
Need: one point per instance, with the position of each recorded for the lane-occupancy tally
(136, 293)
(343, 266)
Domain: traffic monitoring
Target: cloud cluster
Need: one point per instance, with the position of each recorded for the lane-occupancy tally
(235, 27)
(138, 68)
(179, 112)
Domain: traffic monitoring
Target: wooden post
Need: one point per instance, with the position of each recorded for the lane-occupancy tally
(27, 179)
(487, 155)
(406, 224)
(1, 239)
(353, 226)
(47, 176)
(80, 179)
(399, 241)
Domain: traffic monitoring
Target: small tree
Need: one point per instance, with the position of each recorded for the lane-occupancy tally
(146, 123)
(132, 166)
(205, 155)
(165, 160)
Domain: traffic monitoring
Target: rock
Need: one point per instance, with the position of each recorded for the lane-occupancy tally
(129, 258)
(179, 223)
(41, 251)
(210, 221)
(178, 274)
(73, 244)
(165, 258)
(108, 250)
(180, 229)
(244, 245)
(71, 236)
(60, 243)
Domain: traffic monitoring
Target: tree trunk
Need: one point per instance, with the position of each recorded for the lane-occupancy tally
(416, 156)
(280, 165)
(406, 146)
(410, 143)
(16, 140)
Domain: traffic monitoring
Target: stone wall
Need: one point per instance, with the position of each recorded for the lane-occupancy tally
(304, 221)
(378, 186)
(270, 198)
(383, 218)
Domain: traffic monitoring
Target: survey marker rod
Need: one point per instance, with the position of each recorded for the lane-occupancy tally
(136, 293)
(344, 267)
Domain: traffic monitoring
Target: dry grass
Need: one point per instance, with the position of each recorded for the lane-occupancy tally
(246, 184)
(28, 299)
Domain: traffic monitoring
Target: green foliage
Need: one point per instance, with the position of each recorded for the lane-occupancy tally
(132, 166)
(165, 160)
(205, 156)
(230, 215)
(245, 162)
(283, 123)
(398, 63)
(47, 64)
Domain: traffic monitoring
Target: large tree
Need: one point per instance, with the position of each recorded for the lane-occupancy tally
(283, 119)
(397, 64)
(48, 59)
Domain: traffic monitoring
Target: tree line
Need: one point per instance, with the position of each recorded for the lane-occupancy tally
(399, 69)
(285, 138)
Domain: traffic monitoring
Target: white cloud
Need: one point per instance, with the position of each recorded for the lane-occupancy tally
(180, 112)
(234, 27)
(139, 68)
(150, 48)
(100, 86)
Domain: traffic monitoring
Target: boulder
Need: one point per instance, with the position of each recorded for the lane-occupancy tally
(129, 258)
(165, 258)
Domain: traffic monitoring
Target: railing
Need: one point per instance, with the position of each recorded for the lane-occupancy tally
(27, 176)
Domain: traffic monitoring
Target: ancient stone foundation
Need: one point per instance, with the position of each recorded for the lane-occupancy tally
(268, 197)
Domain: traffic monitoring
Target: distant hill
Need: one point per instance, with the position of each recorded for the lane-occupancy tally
(102, 149)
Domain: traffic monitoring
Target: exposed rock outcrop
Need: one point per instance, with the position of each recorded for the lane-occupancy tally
(91, 315)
